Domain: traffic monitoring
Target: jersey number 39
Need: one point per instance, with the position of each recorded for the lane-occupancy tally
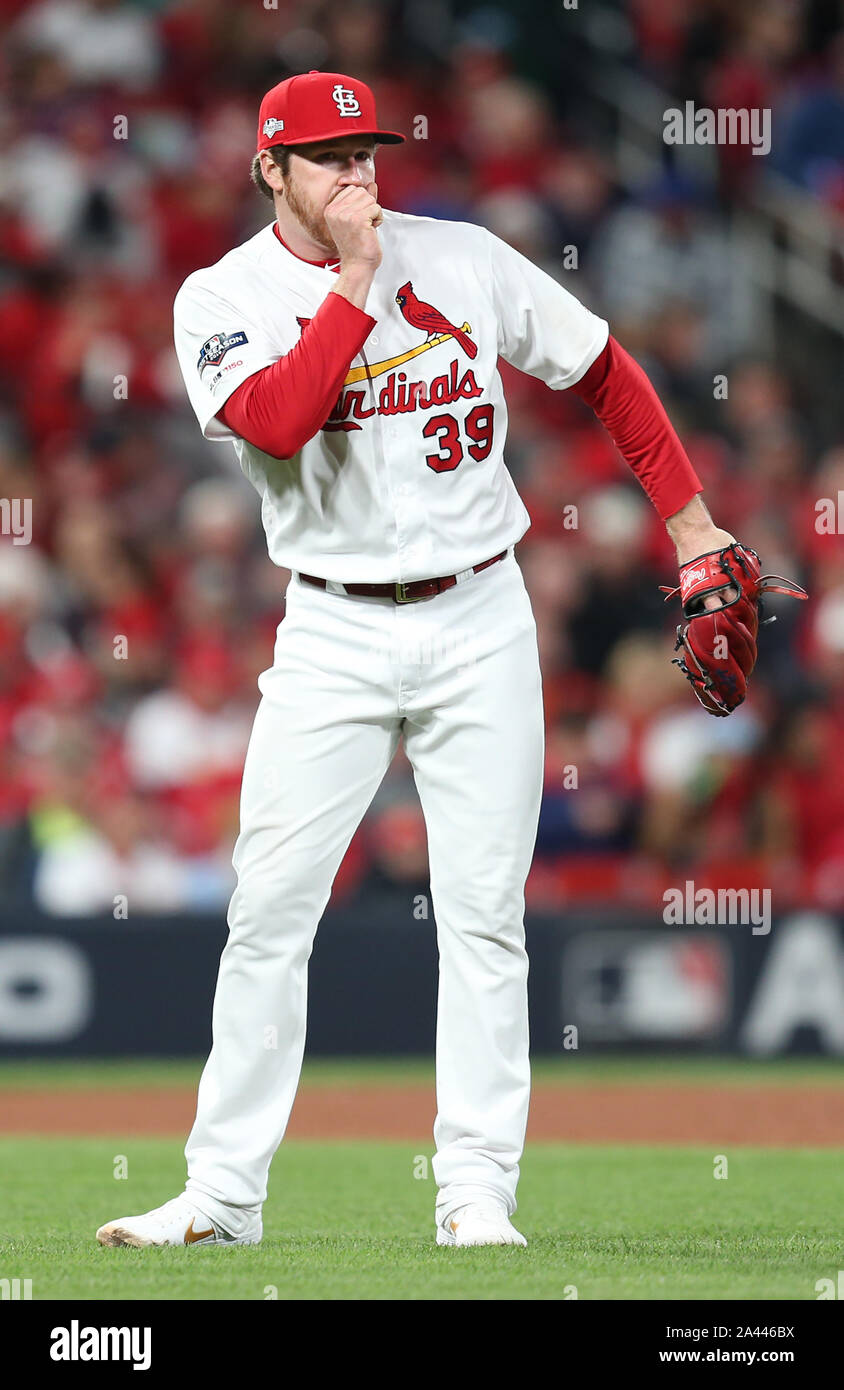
(478, 425)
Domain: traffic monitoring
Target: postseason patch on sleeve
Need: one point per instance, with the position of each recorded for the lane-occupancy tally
(214, 350)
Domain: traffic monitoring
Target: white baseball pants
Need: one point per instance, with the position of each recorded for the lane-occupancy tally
(457, 677)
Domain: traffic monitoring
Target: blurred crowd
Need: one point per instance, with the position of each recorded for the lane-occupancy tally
(133, 626)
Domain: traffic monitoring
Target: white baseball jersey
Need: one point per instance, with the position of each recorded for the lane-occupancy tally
(406, 479)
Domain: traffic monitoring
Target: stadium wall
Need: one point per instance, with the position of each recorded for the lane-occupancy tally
(598, 980)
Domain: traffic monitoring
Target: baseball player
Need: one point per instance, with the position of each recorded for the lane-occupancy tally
(349, 353)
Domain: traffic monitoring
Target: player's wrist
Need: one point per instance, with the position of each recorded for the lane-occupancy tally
(694, 532)
(354, 281)
(358, 267)
(700, 541)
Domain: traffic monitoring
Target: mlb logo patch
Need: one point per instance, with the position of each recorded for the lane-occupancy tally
(214, 350)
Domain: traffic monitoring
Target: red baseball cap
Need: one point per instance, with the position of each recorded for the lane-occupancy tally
(319, 106)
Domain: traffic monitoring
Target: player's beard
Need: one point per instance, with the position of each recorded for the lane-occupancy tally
(313, 222)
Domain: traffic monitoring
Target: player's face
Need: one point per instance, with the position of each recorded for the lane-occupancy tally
(319, 172)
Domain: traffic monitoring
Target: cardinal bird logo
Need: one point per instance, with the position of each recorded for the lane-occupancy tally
(430, 320)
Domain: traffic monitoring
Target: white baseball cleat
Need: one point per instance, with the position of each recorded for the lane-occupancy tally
(479, 1223)
(178, 1222)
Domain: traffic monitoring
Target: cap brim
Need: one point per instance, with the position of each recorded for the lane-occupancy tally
(382, 137)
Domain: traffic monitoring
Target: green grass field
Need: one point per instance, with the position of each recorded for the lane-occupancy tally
(571, 1067)
(352, 1221)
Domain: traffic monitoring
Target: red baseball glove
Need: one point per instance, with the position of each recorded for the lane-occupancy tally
(718, 646)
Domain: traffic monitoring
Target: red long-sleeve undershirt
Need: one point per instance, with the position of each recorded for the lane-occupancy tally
(281, 407)
(628, 407)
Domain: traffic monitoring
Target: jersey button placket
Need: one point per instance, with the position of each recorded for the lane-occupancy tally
(401, 493)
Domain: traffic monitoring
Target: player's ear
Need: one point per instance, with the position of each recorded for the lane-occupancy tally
(273, 176)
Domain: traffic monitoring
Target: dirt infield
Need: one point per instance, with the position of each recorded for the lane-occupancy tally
(622, 1113)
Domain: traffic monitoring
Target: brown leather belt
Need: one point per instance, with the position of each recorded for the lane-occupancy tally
(403, 593)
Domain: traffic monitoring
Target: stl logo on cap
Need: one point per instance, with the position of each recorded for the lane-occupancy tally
(347, 102)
